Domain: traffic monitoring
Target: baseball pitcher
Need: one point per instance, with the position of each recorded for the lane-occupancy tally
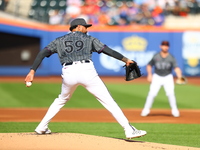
(75, 50)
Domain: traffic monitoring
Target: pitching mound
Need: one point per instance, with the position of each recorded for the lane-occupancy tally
(73, 141)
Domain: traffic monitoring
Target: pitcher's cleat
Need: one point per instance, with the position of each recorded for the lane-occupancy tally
(47, 131)
(134, 133)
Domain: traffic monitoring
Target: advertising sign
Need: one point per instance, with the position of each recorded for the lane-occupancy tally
(191, 53)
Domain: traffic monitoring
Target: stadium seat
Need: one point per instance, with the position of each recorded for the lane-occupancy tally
(40, 9)
(2, 4)
(194, 7)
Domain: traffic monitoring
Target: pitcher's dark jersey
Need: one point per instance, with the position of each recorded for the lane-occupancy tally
(163, 66)
(75, 46)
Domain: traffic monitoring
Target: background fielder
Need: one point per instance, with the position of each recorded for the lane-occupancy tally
(163, 63)
(75, 50)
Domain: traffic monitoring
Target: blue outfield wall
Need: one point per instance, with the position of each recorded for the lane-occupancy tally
(136, 45)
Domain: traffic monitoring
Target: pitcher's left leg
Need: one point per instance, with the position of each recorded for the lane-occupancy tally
(99, 90)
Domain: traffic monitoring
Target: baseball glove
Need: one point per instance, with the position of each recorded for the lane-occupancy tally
(181, 80)
(132, 72)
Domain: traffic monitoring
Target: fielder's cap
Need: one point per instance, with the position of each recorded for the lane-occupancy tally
(166, 43)
(78, 21)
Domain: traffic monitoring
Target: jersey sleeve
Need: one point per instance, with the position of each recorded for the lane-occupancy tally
(110, 52)
(174, 62)
(41, 55)
(152, 62)
(97, 45)
(52, 47)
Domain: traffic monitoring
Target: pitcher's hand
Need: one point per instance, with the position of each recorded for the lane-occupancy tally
(30, 76)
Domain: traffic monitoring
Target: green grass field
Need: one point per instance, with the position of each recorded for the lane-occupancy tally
(126, 95)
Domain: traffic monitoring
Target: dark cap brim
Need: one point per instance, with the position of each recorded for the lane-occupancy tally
(86, 25)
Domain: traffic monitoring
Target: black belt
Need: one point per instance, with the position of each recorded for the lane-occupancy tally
(82, 61)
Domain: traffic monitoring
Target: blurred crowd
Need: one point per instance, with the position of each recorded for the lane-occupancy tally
(109, 12)
(115, 12)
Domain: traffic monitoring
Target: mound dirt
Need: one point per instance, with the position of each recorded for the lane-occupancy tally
(73, 141)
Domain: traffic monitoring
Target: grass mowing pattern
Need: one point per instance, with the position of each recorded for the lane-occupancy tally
(174, 134)
(126, 95)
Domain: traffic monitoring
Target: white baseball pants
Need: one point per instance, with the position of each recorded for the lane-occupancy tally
(157, 82)
(83, 74)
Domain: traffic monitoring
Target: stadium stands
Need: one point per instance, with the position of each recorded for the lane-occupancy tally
(17, 8)
(108, 12)
(41, 9)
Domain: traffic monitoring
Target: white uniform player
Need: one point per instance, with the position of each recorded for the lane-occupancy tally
(75, 50)
(163, 63)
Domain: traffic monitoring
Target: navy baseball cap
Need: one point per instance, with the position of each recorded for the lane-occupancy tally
(166, 43)
(78, 21)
